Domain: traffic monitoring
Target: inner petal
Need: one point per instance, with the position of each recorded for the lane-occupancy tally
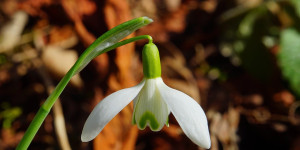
(149, 109)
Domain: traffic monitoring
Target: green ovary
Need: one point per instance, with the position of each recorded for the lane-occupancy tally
(151, 61)
(148, 118)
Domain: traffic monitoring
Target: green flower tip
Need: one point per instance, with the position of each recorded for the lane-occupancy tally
(147, 20)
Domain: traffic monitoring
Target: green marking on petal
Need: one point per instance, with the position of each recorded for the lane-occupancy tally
(148, 118)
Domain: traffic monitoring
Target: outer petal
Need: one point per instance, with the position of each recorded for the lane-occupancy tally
(107, 109)
(188, 113)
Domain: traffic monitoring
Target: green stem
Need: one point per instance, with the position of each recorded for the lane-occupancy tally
(46, 107)
(32, 129)
(43, 112)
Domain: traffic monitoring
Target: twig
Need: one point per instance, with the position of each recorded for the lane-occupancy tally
(60, 127)
(59, 120)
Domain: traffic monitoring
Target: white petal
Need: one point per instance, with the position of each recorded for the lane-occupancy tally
(149, 109)
(188, 113)
(107, 109)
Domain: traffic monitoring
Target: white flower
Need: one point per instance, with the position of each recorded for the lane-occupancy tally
(153, 102)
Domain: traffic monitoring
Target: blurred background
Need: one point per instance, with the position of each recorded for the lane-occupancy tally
(240, 59)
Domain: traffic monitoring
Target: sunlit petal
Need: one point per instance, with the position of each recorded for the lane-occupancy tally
(188, 113)
(106, 110)
(150, 110)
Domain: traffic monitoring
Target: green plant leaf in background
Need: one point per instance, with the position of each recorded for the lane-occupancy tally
(289, 58)
(8, 114)
(296, 4)
(245, 35)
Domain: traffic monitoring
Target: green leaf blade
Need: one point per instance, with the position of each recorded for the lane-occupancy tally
(289, 58)
(108, 39)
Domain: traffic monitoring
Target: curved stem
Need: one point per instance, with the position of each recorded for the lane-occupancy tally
(124, 42)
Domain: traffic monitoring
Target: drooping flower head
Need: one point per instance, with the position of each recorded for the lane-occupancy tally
(153, 101)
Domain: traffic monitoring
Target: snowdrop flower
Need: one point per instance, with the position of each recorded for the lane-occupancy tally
(153, 101)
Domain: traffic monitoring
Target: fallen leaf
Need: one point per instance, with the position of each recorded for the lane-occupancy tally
(58, 61)
(10, 34)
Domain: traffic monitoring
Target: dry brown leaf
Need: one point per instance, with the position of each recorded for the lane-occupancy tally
(11, 32)
(9, 139)
(208, 6)
(143, 8)
(284, 97)
(9, 7)
(64, 37)
(77, 8)
(178, 75)
(170, 22)
(116, 13)
(71, 8)
(34, 7)
(119, 132)
(58, 61)
(4, 76)
(172, 5)
(173, 131)
(223, 128)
